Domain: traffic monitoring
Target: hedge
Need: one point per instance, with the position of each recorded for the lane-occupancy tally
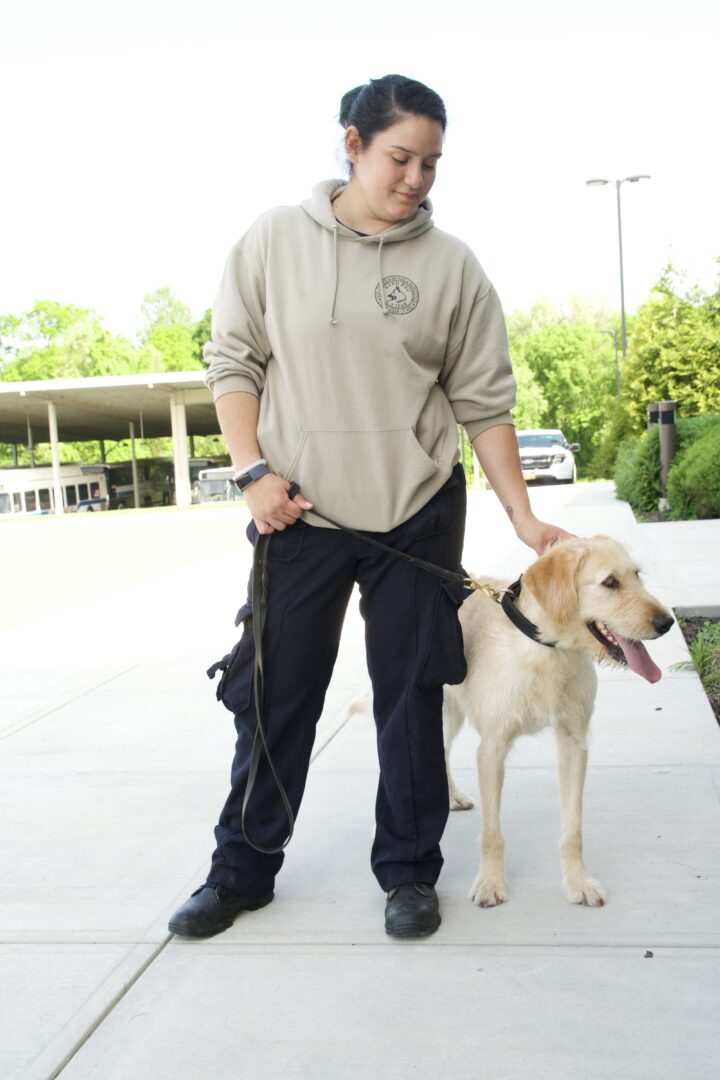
(694, 480)
(637, 468)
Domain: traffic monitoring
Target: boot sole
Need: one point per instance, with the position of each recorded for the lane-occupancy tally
(217, 928)
(412, 932)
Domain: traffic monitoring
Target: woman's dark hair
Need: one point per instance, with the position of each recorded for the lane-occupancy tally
(380, 103)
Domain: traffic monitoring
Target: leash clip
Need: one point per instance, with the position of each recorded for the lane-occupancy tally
(494, 594)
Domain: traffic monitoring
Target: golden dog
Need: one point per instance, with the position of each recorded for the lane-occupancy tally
(584, 595)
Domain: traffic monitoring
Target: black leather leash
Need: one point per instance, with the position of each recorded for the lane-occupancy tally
(505, 597)
(422, 564)
(259, 610)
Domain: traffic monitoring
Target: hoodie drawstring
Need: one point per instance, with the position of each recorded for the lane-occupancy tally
(385, 309)
(333, 320)
(383, 299)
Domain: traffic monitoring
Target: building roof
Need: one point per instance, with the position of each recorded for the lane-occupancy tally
(103, 407)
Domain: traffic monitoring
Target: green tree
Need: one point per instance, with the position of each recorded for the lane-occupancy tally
(673, 355)
(22, 335)
(54, 341)
(531, 405)
(202, 334)
(571, 365)
(169, 329)
(175, 346)
(674, 350)
(162, 308)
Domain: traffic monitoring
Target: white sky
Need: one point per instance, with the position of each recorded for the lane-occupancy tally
(140, 139)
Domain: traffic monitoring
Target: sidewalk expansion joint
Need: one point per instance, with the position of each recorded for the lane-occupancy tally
(114, 1002)
(71, 701)
(496, 947)
(318, 752)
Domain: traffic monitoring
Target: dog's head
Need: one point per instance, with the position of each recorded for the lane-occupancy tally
(591, 592)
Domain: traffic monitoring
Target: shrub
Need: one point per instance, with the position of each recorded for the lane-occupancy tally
(637, 472)
(637, 466)
(694, 480)
(616, 430)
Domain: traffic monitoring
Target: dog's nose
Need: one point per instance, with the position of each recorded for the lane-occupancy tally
(662, 622)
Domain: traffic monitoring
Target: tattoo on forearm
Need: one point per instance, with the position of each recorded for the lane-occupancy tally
(509, 511)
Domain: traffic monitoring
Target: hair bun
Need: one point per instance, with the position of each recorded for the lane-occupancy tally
(347, 102)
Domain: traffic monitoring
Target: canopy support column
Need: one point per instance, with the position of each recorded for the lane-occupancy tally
(31, 445)
(136, 486)
(55, 454)
(178, 420)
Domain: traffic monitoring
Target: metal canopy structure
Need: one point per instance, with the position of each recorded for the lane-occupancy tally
(103, 407)
(151, 405)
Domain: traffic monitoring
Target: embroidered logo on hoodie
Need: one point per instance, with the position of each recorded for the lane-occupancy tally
(401, 294)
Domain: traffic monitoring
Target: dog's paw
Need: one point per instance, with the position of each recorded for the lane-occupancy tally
(460, 801)
(489, 892)
(585, 891)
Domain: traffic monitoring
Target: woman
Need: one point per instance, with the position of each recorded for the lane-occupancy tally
(350, 337)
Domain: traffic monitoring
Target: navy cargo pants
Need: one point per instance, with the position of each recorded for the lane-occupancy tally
(413, 646)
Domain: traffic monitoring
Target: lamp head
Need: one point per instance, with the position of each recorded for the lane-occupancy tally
(596, 183)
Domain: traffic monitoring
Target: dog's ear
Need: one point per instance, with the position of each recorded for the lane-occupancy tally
(552, 582)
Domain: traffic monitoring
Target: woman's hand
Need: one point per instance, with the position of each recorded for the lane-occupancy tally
(269, 505)
(538, 535)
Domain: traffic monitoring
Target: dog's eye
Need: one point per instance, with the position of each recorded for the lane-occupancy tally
(611, 582)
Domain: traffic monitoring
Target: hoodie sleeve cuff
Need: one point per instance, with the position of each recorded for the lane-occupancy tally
(476, 427)
(231, 384)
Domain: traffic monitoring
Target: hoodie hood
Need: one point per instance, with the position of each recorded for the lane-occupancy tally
(319, 208)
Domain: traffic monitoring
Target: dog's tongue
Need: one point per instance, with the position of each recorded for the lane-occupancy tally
(639, 659)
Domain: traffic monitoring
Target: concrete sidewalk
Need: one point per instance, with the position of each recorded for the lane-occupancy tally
(114, 764)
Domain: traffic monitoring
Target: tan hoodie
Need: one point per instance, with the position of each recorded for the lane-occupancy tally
(366, 353)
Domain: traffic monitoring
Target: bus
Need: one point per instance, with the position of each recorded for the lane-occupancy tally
(155, 483)
(28, 489)
(216, 485)
(156, 480)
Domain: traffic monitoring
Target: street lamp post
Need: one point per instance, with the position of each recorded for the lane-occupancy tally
(613, 333)
(601, 183)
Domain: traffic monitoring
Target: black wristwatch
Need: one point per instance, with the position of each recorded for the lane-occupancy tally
(242, 479)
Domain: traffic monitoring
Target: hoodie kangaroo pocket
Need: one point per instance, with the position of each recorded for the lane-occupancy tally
(369, 480)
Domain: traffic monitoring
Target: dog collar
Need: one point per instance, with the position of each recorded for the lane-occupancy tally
(528, 628)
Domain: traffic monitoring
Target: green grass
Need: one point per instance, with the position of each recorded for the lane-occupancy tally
(705, 657)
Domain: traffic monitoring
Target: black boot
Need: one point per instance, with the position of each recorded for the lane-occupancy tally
(212, 909)
(412, 910)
